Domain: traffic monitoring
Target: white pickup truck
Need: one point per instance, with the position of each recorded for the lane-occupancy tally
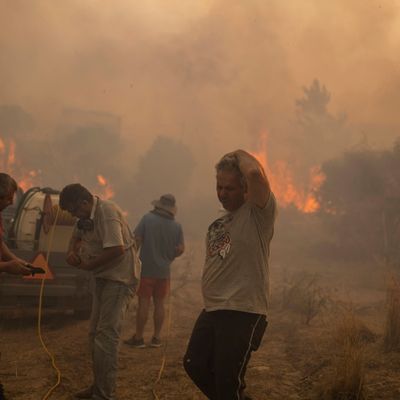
(37, 230)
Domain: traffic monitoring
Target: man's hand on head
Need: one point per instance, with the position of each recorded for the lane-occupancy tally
(256, 183)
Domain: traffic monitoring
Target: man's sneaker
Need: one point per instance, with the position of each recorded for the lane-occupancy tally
(85, 393)
(155, 342)
(138, 343)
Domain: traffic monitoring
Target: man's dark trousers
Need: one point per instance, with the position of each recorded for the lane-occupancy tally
(219, 351)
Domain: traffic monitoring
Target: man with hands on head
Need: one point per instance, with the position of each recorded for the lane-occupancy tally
(102, 244)
(235, 280)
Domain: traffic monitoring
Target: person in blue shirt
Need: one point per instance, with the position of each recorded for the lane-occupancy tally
(160, 239)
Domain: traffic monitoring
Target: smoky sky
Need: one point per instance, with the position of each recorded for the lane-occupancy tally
(213, 74)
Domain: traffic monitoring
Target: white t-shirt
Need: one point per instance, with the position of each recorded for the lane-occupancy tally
(110, 230)
(236, 273)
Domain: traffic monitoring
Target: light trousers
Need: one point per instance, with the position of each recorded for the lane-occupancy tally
(110, 302)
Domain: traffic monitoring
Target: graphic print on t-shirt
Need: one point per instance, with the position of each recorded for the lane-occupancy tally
(218, 239)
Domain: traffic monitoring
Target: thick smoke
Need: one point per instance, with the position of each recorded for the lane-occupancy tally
(210, 75)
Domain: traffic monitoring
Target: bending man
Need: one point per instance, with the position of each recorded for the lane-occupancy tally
(9, 262)
(102, 243)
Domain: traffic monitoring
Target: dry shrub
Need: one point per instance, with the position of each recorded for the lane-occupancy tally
(350, 338)
(302, 294)
(392, 329)
(349, 375)
(351, 330)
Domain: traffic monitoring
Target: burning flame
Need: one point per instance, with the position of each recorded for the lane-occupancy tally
(107, 191)
(282, 182)
(11, 165)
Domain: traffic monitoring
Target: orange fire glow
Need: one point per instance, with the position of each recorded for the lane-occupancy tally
(2, 146)
(11, 165)
(11, 153)
(287, 191)
(107, 191)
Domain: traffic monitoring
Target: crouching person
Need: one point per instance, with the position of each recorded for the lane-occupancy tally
(9, 262)
(102, 244)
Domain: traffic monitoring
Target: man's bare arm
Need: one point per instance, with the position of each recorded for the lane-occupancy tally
(14, 267)
(6, 254)
(138, 241)
(73, 257)
(10, 263)
(258, 188)
(179, 250)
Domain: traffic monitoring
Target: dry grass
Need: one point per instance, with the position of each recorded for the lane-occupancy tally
(350, 339)
(392, 329)
(302, 294)
(350, 330)
(349, 375)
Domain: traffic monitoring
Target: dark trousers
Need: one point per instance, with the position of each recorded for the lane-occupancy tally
(219, 351)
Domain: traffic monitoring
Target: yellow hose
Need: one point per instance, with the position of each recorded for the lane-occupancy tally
(39, 320)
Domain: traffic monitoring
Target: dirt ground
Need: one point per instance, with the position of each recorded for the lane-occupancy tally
(295, 361)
